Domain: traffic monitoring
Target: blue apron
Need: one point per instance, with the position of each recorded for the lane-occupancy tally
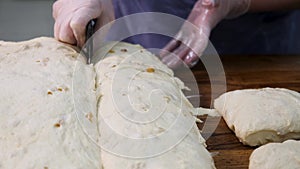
(260, 33)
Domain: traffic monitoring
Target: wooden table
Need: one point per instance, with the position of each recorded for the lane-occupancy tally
(244, 72)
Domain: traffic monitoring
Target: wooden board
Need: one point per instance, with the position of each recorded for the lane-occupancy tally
(243, 72)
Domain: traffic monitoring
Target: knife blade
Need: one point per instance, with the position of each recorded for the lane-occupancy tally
(90, 29)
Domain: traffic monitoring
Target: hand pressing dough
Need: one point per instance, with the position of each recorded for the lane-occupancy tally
(259, 116)
(143, 114)
(276, 156)
(38, 124)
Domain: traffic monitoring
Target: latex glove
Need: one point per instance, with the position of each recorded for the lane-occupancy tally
(72, 16)
(195, 32)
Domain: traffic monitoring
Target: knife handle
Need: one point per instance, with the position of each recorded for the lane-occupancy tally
(90, 29)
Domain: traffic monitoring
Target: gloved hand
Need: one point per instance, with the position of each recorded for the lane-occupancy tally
(195, 32)
(72, 16)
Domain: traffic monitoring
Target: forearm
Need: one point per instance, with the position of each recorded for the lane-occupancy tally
(273, 5)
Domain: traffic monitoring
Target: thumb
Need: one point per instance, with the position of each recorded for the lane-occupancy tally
(79, 22)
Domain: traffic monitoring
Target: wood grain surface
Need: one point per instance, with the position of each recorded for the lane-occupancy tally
(242, 72)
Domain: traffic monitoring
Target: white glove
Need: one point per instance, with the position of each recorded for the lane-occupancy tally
(205, 15)
(72, 16)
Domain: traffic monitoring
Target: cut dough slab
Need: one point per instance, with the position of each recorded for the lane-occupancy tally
(259, 116)
(144, 119)
(38, 124)
(276, 156)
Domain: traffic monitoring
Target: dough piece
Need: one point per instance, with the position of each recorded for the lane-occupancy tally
(38, 124)
(259, 116)
(145, 121)
(276, 156)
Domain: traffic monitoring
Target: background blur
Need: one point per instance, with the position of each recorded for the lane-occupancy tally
(25, 19)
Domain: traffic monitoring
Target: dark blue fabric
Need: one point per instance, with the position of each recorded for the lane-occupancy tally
(176, 7)
(179, 8)
(261, 33)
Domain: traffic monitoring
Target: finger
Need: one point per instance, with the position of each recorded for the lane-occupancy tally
(171, 60)
(78, 26)
(181, 51)
(197, 47)
(208, 2)
(172, 45)
(66, 33)
(79, 21)
(56, 30)
(55, 9)
(191, 59)
(175, 59)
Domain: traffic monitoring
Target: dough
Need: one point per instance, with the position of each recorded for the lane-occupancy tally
(145, 122)
(38, 125)
(259, 116)
(276, 156)
(144, 119)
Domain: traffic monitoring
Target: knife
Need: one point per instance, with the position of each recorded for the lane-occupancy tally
(90, 29)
